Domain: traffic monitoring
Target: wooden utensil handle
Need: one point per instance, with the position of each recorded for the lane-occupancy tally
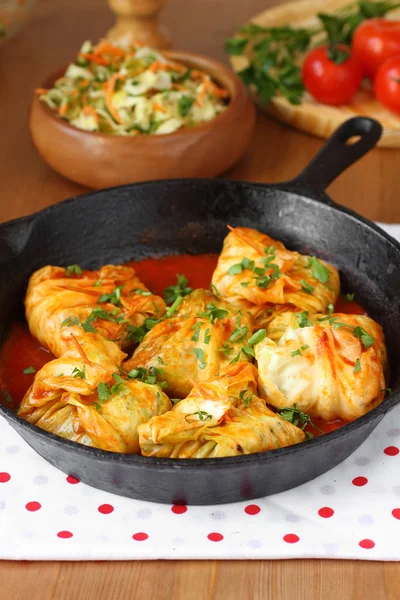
(137, 20)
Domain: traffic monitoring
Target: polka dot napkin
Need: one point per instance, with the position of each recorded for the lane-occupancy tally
(352, 511)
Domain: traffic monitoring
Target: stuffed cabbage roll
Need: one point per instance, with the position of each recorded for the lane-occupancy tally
(221, 417)
(60, 302)
(256, 273)
(86, 400)
(328, 366)
(191, 347)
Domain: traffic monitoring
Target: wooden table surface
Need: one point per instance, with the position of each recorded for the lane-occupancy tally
(277, 153)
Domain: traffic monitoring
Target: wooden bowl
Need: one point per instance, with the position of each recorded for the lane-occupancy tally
(99, 160)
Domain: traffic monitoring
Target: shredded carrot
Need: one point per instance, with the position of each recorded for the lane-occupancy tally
(89, 110)
(81, 351)
(202, 95)
(72, 288)
(110, 86)
(105, 47)
(217, 91)
(41, 91)
(63, 109)
(159, 108)
(100, 60)
(176, 67)
(84, 83)
(242, 237)
(157, 66)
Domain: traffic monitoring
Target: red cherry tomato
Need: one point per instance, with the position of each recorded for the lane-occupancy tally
(374, 41)
(328, 82)
(387, 84)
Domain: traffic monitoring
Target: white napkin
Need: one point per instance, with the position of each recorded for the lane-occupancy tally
(353, 511)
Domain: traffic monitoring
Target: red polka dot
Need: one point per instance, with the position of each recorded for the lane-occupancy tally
(4, 477)
(366, 544)
(325, 512)
(291, 538)
(33, 506)
(64, 534)
(179, 509)
(391, 450)
(360, 481)
(215, 537)
(140, 536)
(252, 509)
(396, 513)
(105, 509)
(72, 479)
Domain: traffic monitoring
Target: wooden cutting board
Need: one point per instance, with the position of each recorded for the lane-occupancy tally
(310, 116)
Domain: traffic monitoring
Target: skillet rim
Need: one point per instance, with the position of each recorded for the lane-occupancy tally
(290, 187)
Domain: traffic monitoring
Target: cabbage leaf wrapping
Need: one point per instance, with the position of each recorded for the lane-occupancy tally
(83, 399)
(104, 301)
(220, 417)
(193, 345)
(328, 366)
(257, 273)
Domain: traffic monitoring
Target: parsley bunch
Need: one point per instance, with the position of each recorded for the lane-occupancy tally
(275, 53)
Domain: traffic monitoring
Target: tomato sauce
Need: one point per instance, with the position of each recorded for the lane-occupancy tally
(21, 351)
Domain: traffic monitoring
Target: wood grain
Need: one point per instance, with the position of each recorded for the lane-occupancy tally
(276, 153)
(311, 116)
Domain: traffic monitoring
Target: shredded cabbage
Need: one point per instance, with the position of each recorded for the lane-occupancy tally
(133, 91)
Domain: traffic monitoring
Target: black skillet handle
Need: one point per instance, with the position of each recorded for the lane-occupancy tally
(336, 155)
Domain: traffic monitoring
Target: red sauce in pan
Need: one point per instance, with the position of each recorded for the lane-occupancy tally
(21, 350)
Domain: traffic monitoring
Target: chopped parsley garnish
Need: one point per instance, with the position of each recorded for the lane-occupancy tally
(172, 292)
(349, 297)
(357, 366)
(113, 298)
(184, 105)
(257, 337)
(29, 371)
(303, 320)
(98, 283)
(200, 357)
(147, 375)
(140, 292)
(262, 280)
(196, 327)
(240, 332)
(136, 334)
(173, 308)
(300, 350)
(246, 400)
(201, 414)
(207, 336)
(306, 287)
(69, 321)
(247, 350)
(297, 418)
(226, 348)
(388, 390)
(103, 391)
(366, 339)
(213, 312)
(214, 289)
(99, 313)
(118, 383)
(81, 373)
(319, 270)
(73, 270)
(7, 397)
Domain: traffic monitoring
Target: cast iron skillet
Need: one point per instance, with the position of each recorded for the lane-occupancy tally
(170, 217)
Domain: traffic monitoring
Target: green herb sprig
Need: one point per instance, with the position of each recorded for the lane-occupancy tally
(275, 53)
